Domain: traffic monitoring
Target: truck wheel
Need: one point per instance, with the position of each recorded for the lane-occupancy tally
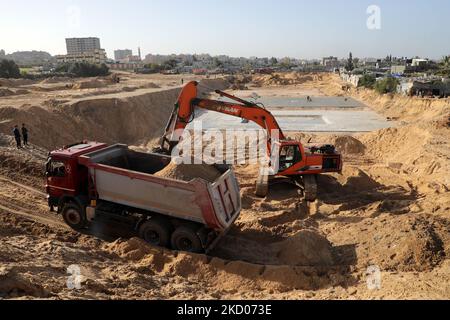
(156, 232)
(185, 238)
(74, 216)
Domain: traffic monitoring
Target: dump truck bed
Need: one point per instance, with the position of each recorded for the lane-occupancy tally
(126, 177)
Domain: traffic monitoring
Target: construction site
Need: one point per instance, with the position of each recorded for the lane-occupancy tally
(380, 211)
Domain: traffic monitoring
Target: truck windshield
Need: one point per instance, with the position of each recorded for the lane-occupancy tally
(56, 168)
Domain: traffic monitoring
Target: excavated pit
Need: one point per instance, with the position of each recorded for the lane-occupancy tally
(387, 209)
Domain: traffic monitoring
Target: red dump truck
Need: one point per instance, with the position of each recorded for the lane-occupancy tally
(91, 181)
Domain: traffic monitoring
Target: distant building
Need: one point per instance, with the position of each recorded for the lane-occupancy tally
(77, 46)
(122, 54)
(421, 63)
(97, 56)
(425, 88)
(126, 66)
(330, 62)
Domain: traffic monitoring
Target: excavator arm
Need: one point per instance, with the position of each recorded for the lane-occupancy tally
(183, 114)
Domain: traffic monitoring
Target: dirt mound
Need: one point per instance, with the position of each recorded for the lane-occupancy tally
(306, 248)
(349, 145)
(6, 92)
(150, 85)
(402, 243)
(89, 84)
(188, 172)
(13, 285)
(133, 249)
(14, 83)
(55, 80)
(283, 79)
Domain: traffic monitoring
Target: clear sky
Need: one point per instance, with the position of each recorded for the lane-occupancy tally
(296, 28)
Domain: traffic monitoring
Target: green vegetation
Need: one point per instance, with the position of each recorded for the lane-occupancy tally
(155, 68)
(83, 69)
(367, 81)
(9, 69)
(387, 85)
(444, 67)
(350, 64)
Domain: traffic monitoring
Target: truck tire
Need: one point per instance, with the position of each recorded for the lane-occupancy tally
(156, 232)
(74, 216)
(185, 238)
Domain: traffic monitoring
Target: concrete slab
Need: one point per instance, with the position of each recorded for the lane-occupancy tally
(324, 114)
(302, 102)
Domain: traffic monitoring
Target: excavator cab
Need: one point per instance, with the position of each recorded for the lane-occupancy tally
(289, 156)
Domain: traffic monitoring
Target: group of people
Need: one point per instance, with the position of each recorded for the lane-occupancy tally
(19, 134)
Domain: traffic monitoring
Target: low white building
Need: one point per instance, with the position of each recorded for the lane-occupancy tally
(353, 79)
(97, 56)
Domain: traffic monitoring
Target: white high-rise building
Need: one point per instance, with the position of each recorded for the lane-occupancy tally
(82, 45)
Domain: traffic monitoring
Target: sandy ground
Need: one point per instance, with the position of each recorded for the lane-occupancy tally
(388, 211)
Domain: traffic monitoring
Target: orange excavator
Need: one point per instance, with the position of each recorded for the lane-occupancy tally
(300, 165)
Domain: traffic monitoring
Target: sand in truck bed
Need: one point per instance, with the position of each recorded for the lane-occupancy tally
(188, 172)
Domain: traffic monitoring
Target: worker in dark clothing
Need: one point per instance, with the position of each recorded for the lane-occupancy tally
(16, 133)
(24, 135)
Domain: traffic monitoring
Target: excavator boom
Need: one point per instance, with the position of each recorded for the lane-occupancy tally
(187, 102)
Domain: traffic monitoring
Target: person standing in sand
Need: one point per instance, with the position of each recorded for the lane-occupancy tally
(16, 133)
(25, 135)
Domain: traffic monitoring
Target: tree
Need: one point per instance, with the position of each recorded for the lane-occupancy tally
(387, 85)
(273, 61)
(170, 64)
(217, 62)
(367, 81)
(83, 69)
(350, 65)
(9, 69)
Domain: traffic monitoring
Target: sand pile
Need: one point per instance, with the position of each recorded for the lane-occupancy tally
(223, 275)
(89, 84)
(282, 79)
(13, 83)
(55, 80)
(150, 85)
(403, 242)
(6, 92)
(188, 172)
(239, 82)
(349, 145)
(306, 248)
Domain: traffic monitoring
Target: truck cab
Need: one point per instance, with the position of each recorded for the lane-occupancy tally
(65, 177)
